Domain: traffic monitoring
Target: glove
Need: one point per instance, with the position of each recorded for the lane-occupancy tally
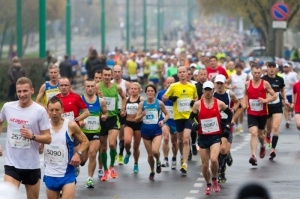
(192, 103)
(226, 131)
(173, 98)
(195, 127)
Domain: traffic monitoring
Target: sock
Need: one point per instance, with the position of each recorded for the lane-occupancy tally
(173, 158)
(208, 184)
(274, 141)
(121, 147)
(104, 160)
(194, 137)
(113, 153)
(166, 158)
(214, 179)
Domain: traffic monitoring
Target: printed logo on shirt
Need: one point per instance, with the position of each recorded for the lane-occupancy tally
(18, 121)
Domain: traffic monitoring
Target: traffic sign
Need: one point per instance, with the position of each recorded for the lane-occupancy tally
(280, 11)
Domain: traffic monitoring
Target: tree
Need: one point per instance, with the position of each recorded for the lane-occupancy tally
(258, 12)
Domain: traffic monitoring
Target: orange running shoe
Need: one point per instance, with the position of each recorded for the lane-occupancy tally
(113, 172)
(105, 175)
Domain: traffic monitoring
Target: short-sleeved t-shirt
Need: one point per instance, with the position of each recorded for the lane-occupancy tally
(296, 90)
(20, 152)
(185, 93)
(211, 73)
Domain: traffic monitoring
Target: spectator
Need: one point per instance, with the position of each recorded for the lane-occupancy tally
(15, 71)
(46, 64)
(94, 63)
(253, 190)
(75, 65)
(65, 68)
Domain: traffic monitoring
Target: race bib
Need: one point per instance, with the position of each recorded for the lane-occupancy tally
(183, 105)
(239, 91)
(170, 111)
(224, 115)
(153, 70)
(55, 154)
(131, 108)
(151, 117)
(68, 115)
(16, 140)
(277, 99)
(255, 105)
(92, 123)
(210, 125)
(110, 103)
(50, 95)
(133, 77)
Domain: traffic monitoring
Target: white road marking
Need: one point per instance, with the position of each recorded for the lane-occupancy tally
(198, 184)
(194, 191)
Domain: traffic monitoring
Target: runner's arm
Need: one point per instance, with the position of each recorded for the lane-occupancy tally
(85, 113)
(269, 90)
(139, 114)
(40, 95)
(123, 96)
(79, 135)
(164, 110)
(226, 110)
(103, 107)
(244, 101)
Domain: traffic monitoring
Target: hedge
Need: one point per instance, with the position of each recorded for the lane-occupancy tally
(33, 67)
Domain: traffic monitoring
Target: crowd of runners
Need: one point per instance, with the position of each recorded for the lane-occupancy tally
(194, 99)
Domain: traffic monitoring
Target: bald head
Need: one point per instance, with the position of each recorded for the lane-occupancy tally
(169, 81)
(117, 72)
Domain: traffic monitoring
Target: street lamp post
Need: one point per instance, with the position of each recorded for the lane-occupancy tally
(145, 24)
(127, 25)
(19, 28)
(68, 28)
(158, 24)
(42, 27)
(103, 31)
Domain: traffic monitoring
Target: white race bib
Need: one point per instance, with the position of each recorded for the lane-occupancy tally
(277, 98)
(183, 105)
(68, 115)
(210, 125)
(54, 153)
(153, 70)
(50, 95)
(16, 140)
(239, 91)
(151, 117)
(131, 108)
(170, 111)
(92, 123)
(110, 103)
(133, 77)
(255, 105)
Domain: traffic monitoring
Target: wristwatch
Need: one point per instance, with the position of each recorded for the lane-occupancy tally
(33, 137)
(79, 153)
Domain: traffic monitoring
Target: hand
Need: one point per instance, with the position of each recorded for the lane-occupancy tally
(143, 113)
(161, 123)
(75, 161)
(192, 103)
(195, 127)
(244, 106)
(81, 123)
(173, 98)
(262, 100)
(286, 102)
(100, 94)
(103, 117)
(292, 105)
(41, 148)
(123, 113)
(25, 133)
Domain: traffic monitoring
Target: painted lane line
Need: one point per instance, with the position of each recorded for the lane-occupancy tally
(194, 191)
(200, 180)
(198, 184)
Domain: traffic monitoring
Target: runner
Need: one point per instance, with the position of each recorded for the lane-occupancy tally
(109, 91)
(49, 88)
(132, 68)
(227, 97)
(169, 128)
(296, 104)
(149, 112)
(72, 106)
(214, 69)
(275, 107)
(238, 81)
(255, 101)
(91, 126)
(133, 128)
(125, 86)
(27, 126)
(155, 70)
(60, 158)
(183, 94)
(290, 79)
(98, 76)
(207, 112)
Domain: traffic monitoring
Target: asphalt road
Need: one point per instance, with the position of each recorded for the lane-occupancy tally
(279, 176)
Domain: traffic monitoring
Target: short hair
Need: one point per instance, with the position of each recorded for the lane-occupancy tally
(136, 84)
(24, 80)
(152, 86)
(53, 100)
(107, 69)
(99, 71)
(90, 79)
(64, 77)
(213, 57)
(53, 66)
(255, 65)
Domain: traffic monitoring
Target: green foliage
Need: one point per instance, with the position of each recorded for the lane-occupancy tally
(33, 67)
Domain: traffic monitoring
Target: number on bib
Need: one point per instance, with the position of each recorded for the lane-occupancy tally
(210, 125)
(92, 123)
(151, 117)
(68, 115)
(55, 153)
(183, 105)
(16, 140)
(110, 103)
(255, 105)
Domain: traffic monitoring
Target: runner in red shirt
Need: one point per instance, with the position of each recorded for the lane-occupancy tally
(214, 69)
(296, 103)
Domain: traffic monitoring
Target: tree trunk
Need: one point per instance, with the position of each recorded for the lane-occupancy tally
(3, 38)
(12, 42)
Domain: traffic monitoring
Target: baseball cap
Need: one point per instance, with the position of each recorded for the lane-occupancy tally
(260, 63)
(286, 65)
(154, 56)
(208, 84)
(193, 66)
(196, 72)
(220, 78)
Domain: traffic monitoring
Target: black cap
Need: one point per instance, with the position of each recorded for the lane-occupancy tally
(272, 64)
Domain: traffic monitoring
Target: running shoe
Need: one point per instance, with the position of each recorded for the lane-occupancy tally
(126, 159)
(173, 166)
(253, 160)
(113, 172)
(151, 176)
(158, 167)
(105, 176)
(184, 168)
(237, 130)
(165, 163)
(77, 169)
(262, 152)
(135, 168)
(121, 161)
(100, 173)
(194, 149)
(272, 154)
(229, 160)
(216, 187)
(221, 177)
(89, 183)
(241, 130)
(207, 190)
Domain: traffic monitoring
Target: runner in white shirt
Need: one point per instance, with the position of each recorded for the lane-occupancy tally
(27, 126)
(60, 158)
(290, 78)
